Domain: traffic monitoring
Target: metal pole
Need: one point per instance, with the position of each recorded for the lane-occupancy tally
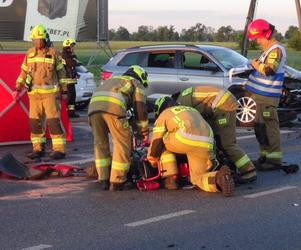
(251, 13)
(298, 8)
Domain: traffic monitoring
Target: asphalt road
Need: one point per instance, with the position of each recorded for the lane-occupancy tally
(71, 213)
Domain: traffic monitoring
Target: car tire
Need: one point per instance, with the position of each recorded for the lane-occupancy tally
(246, 111)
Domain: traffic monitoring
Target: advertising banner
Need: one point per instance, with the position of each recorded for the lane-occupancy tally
(62, 18)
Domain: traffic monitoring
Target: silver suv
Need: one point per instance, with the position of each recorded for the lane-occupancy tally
(172, 68)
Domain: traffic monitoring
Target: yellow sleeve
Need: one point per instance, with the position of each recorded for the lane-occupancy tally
(157, 145)
(23, 74)
(139, 102)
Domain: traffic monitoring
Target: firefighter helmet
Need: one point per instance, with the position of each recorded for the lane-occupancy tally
(68, 42)
(38, 32)
(138, 73)
(260, 28)
(163, 103)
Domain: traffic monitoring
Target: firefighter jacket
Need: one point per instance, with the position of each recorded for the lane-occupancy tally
(117, 95)
(43, 70)
(186, 125)
(70, 62)
(266, 79)
(208, 99)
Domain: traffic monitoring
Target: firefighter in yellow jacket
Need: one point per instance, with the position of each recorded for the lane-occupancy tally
(42, 72)
(265, 85)
(107, 114)
(218, 107)
(182, 130)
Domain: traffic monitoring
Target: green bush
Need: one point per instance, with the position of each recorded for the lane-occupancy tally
(295, 41)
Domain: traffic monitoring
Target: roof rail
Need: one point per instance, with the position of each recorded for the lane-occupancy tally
(163, 44)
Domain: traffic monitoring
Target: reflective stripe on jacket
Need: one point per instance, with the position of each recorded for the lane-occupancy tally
(270, 86)
(206, 99)
(186, 125)
(117, 95)
(44, 67)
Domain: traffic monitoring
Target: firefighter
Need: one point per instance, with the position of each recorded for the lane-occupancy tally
(182, 130)
(70, 61)
(42, 72)
(218, 107)
(107, 114)
(265, 85)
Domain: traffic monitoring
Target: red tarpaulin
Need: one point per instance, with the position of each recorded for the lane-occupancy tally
(14, 125)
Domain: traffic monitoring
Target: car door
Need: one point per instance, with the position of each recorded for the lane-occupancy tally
(162, 73)
(198, 69)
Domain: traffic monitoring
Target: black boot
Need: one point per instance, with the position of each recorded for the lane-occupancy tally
(57, 155)
(36, 155)
(104, 185)
(120, 186)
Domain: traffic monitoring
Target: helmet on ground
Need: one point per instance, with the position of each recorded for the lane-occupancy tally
(138, 73)
(163, 103)
(68, 42)
(260, 28)
(38, 32)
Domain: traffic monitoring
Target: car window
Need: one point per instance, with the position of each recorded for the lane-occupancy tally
(161, 59)
(195, 60)
(228, 58)
(137, 58)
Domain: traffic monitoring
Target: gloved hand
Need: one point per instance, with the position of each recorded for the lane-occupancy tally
(16, 95)
(254, 63)
(152, 160)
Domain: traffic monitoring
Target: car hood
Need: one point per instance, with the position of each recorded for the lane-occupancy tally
(290, 72)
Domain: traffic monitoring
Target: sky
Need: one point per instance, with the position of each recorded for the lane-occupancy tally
(186, 13)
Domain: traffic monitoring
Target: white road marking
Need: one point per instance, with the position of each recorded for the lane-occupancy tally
(39, 247)
(159, 218)
(253, 136)
(272, 191)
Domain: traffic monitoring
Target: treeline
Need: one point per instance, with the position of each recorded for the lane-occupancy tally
(196, 33)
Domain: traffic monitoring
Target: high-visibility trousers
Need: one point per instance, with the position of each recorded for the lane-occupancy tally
(267, 132)
(199, 160)
(115, 167)
(224, 129)
(45, 108)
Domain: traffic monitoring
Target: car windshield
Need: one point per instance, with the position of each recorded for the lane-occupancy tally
(81, 69)
(228, 58)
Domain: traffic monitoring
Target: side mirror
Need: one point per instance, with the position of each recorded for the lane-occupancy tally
(210, 67)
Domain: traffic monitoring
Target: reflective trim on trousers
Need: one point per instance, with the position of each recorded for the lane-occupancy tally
(58, 141)
(167, 158)
(38, 140)
(103, 163)
(122, 166)
(274, 155)
(242, 161)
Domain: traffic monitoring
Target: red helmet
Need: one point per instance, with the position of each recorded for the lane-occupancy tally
(260, 28)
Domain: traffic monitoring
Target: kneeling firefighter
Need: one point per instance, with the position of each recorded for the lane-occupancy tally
(218, 107)
(182, 130)
(42, 74)
(107, 114)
